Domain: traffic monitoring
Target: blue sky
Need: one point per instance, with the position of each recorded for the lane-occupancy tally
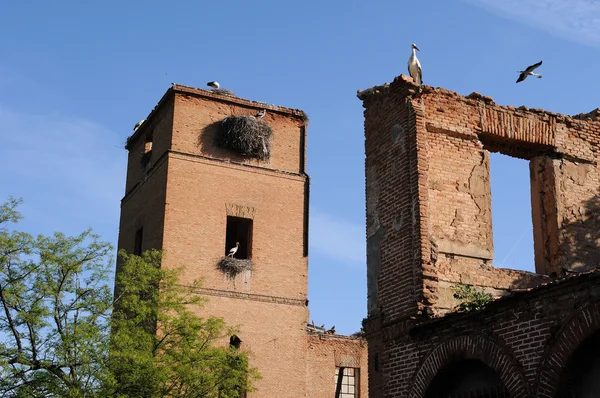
(75, 77)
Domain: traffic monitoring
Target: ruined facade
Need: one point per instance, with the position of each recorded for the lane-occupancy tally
(429, 228)
(196, 200)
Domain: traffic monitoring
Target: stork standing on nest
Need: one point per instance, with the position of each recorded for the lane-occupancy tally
(414, 66)
(233, 250)
(529, 72)
(213, 84)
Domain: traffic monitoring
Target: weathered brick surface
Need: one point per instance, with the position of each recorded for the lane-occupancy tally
(439, 142)
(527, 338)
(182, 198)
(392, 205)
(325, 352)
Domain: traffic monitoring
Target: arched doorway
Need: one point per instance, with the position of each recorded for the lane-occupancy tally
(466, 378)
(581, 375)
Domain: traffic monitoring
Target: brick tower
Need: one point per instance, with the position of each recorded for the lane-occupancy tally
(195, 199)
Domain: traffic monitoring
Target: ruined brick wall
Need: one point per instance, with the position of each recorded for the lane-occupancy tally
(452, 136)
(563, 154)
(393, 212)
(444, 186)
(325, 353)
(197, 185)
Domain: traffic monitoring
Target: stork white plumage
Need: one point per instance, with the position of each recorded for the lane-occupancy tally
(414, 66)
(233, 250)
(213, 84)
(261, 114)
(138, 124)
(529, 72)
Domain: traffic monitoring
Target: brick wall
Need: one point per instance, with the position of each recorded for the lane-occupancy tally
(439, 141)
(526, 338)
(393, 213)
(325, 353)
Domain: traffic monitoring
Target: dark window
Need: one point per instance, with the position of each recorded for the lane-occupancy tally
(147, 152)
(306, 210)
(239, 230)
(235, 342)
(137, 247)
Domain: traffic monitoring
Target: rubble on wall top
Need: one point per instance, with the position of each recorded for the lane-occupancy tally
(407, 82)
(311, 327)
(484, 98)
(363, 94)
(593, 115)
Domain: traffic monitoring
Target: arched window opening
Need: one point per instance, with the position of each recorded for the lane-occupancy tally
(581, 374)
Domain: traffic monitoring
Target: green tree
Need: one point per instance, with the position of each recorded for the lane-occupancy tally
(160, 347)
(54, 306)
(57, 311)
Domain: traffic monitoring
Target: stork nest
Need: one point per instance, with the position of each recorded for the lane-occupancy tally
(223, 91)
(247, 135)
(233, 266)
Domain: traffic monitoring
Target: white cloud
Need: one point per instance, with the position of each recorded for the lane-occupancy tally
(576, 20)
(68, 171)
(338, 239)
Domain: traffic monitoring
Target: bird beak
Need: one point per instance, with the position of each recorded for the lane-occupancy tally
(417, 48)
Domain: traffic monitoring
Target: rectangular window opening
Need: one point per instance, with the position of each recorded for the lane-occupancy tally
(137, 246)
(349, 383)
(239, 234)
(147, 155)
(512, 221)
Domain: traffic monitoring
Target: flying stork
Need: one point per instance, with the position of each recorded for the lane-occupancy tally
(529, 72)
(213, 84)
(233, 250)
(414, 66)
(138, 124)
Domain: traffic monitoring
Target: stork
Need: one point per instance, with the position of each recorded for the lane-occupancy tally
(233, 250)
(213, 84)
(138, 124)
(414, 66)
(261, 114)
(529, 72)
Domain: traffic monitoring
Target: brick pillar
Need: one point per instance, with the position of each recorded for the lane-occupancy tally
(544, 210)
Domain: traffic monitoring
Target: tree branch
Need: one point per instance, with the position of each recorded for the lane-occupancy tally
(11, 322)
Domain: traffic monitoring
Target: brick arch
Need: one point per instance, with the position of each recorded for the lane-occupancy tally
(572, 333)
(471, 347)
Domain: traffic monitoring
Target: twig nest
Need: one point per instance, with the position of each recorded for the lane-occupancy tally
(233, 266)
(247, 135)
(223, 91)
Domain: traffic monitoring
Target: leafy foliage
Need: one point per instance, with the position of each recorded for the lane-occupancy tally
(57, 311)
(472, 299)
(160, 347)
(54, 304)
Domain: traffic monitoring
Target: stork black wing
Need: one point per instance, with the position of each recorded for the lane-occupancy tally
(531, 68)
(522, 77)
